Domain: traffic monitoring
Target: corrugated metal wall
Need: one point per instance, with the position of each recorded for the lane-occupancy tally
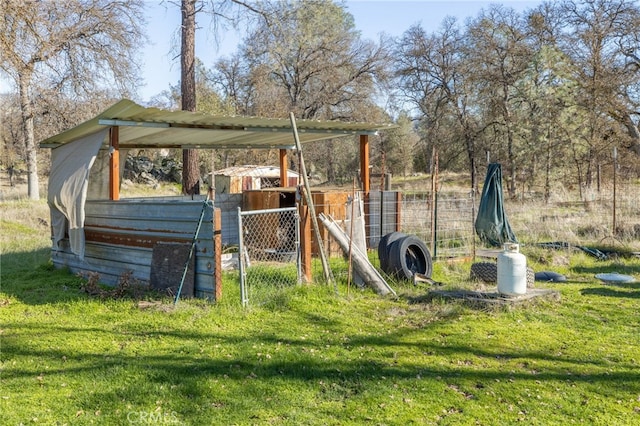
(228, 205)
(120, 236)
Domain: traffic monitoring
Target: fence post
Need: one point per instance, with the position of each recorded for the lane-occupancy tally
(615, 172)
(241, 266)
(305, 241)
(434, 203)
(398, 211)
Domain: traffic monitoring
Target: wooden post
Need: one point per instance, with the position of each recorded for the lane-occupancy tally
(364, 177)
(305, 241)
(284, 180)
(114, 163)
(217, 253)
(364, 162)
(398, 211)
(326, 269)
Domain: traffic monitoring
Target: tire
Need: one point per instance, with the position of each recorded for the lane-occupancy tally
(384, 247)
(531, 278)
(485, 271)
(488, 273)
(408, 256)
(548, 276)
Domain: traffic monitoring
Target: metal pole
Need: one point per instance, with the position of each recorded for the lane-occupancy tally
(241, 266)
(473, 227)
(615, 172)
(191, 250)
(435, 210)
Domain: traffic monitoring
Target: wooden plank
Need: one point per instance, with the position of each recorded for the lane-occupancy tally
(363, 267)
(495, 298)
(114, 163)
(364, 162)
(305, 242)
(398, 207)
(283, 168)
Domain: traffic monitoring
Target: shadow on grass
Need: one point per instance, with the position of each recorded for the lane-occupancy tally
(14, 262)
(126, 373)
(611, 291)
(31, 278)
(629, 268)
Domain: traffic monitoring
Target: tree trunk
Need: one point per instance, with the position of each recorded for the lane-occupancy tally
(190, 167)
(471, 156)
(26, 110)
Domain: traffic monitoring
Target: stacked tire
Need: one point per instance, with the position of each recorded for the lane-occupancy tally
(403, 256)
(488, 273)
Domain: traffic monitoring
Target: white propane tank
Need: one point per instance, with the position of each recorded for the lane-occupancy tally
(512, 271)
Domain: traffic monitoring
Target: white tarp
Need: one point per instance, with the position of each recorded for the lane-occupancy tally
(68, 180)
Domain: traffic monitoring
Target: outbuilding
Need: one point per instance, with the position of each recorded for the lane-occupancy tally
(236, 179)
(95, 231)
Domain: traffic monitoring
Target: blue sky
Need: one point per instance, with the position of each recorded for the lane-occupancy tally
(161, 68)
(372, 17)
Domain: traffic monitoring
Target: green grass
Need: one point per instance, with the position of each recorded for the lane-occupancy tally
(314, 356)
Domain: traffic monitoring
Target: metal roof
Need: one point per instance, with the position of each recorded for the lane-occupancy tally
(141, 127)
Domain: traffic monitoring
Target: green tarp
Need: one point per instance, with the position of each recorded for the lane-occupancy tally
(492, 225)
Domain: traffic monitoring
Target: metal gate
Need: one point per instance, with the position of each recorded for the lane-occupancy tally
(269, 253)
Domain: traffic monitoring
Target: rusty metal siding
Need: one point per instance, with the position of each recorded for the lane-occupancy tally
(120, 236)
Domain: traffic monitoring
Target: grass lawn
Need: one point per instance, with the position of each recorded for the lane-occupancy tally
(314, 357)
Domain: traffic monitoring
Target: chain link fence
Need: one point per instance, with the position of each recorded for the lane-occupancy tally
(269, 254)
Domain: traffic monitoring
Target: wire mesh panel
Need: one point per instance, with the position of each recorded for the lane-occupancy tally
(269, 253)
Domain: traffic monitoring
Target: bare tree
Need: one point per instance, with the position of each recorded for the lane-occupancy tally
(311, 53)
(75, 47)
(498, 47)
(546, 115)
(434, 76)
(556, 84)
(603, 43)
(307, 57)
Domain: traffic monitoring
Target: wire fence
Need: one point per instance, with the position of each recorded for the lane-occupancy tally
(445, 220)
(269, 254)
(269, 240)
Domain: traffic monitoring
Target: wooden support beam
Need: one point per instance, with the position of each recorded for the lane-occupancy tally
(305, 242)
(284, 180)
(364, 162)
(364, 178)
(114, 163)
(398, 211)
